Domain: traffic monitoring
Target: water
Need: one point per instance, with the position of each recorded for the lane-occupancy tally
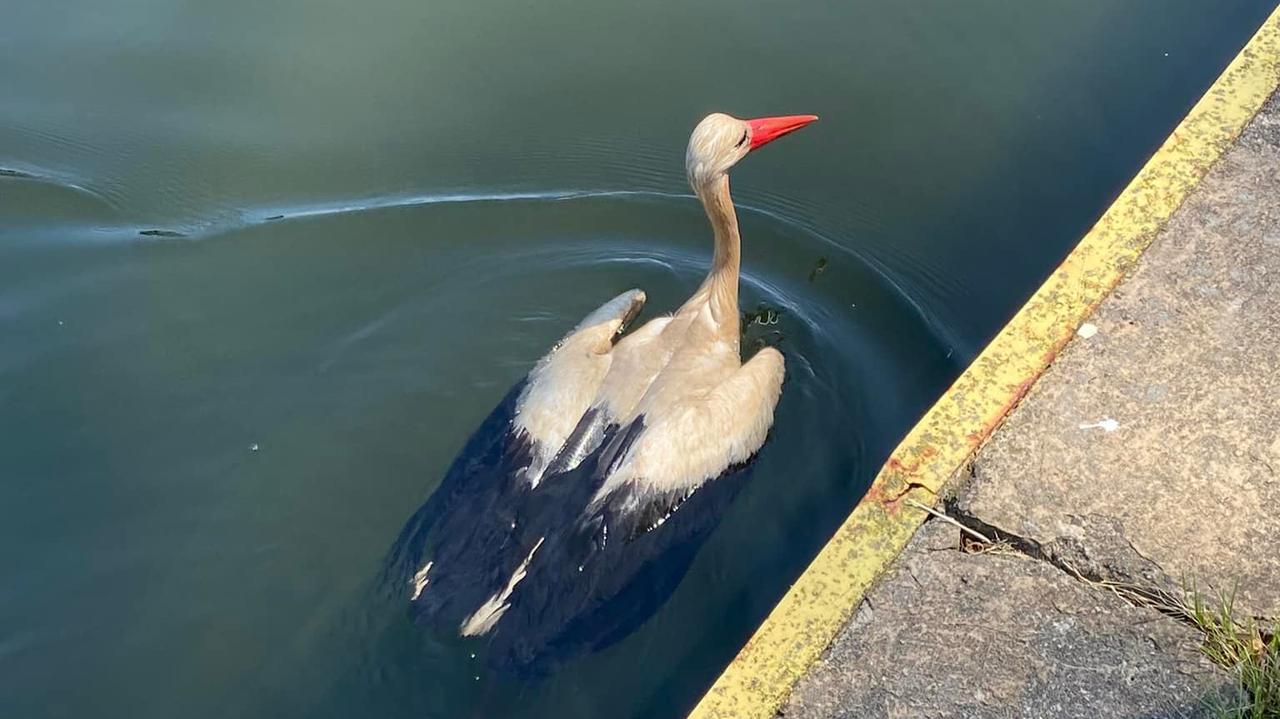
(364, 221)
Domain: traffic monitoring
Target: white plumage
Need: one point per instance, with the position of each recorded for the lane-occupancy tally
(579, 503)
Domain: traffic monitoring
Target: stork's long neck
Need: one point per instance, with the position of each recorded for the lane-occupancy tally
(722, 281)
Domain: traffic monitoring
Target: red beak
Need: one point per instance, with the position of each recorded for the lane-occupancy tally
(768, 129)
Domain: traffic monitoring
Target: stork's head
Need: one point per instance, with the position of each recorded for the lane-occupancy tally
(719, 141)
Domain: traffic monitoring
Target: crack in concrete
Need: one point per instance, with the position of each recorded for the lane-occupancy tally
(1158, 595)
(1162, 595)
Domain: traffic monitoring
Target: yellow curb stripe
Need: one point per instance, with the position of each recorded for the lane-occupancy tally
(817, 606)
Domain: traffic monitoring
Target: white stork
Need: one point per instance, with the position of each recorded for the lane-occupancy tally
(575, 509)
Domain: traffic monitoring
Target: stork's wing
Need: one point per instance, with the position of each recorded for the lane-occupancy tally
(467, 516)
(565, 383)
(699, 436)
(461, 546)
(598, 574)
(591, 585)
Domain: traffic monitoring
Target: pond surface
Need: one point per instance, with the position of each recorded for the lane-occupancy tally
(265, 265)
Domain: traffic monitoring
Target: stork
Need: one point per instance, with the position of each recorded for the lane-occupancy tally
(576, 507)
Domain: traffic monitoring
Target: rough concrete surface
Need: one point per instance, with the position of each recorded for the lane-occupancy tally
(1149, 452)
(1186, 359)
(947, 634)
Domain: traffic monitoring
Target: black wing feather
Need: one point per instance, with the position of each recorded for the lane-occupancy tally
(601, 569)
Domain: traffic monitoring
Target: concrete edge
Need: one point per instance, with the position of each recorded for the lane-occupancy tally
(759, 680)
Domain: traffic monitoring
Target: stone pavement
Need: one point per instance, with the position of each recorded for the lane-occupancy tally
(1149, 453)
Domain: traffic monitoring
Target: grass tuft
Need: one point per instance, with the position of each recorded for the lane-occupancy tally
(1250, 651)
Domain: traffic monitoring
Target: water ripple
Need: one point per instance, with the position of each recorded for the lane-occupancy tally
(19, 172)
(263, 215)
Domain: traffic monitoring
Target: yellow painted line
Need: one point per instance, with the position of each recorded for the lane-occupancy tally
(817, 606)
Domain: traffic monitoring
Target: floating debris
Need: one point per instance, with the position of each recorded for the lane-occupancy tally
(273, 218)
(161, 233)
(17, 174)
(755, 332)
(762, 315)
(818, 269)
(253, 447)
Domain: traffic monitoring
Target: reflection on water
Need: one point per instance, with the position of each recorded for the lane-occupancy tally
(264, 266)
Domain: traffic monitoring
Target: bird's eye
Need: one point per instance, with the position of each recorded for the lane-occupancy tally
(744, 139)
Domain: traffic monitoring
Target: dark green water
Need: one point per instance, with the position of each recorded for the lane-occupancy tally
(388, 210)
